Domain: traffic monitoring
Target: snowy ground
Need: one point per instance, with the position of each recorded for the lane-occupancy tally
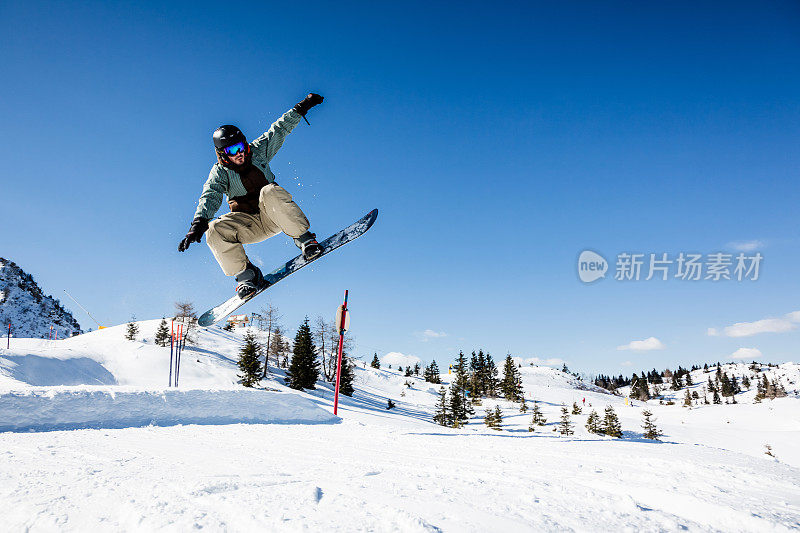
(382, 470)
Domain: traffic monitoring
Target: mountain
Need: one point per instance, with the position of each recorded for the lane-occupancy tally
(29, 311)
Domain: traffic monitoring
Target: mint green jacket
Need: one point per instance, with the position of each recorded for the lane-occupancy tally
(225, 181)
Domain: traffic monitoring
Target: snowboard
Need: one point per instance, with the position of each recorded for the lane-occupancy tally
(351, 232)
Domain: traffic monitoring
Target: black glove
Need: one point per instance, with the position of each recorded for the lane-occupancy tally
(308, 102)
(199, 226)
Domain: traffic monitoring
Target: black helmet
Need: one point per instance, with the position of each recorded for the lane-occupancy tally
(227, 135)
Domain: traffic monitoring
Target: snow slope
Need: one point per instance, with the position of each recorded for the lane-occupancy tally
(393, 470)
(30, 312)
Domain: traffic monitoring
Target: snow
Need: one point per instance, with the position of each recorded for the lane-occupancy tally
(397, 359)
(374, 469)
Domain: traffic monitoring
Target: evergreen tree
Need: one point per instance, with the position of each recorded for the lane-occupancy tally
(498, 418)
(488, 418)
(460, 409)
(250, 360)
(611, 425)
(649, 426)
(524, 407)
(132, 329)
(416, 369)
(409, 372)
(442, 415)
(346, 377)
(675, 384)
(538, 417)
(491, 383)
(576, 410)
(688, 378)
(304, 368)
(746, 382)
(687, 398)
(376, 363)
(512, 380)
(716, 399)
(593, 423)
(565, 426)
(162, 334)
(431, 374)
(639, 388)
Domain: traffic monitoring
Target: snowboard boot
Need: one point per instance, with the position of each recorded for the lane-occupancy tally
(307, 242)
(248, 280)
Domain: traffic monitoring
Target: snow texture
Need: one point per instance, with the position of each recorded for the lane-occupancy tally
(376, 470)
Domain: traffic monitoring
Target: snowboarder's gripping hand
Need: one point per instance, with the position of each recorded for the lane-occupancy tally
(308, 102)
(199, 226)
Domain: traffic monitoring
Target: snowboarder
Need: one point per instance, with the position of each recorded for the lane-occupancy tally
(260, 208)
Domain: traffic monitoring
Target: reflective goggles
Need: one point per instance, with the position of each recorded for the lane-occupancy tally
(234, 149)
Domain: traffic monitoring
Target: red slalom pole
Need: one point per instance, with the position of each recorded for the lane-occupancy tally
(171, 344)
(341, 326)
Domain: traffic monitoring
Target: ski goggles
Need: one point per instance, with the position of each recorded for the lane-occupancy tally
(234, 149)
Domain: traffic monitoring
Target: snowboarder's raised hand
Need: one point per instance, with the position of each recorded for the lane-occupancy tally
(308, 102)
(199, 226)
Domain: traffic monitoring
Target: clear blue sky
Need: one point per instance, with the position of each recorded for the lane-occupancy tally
(498, 140)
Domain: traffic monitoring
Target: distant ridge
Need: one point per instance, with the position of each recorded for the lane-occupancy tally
(29, 311)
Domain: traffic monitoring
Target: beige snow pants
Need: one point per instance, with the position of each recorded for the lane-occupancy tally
(277, 213)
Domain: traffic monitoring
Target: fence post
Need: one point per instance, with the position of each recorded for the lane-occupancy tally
(341, 324)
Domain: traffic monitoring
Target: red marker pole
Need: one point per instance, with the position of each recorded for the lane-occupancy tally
(341, 323)
(171, 344)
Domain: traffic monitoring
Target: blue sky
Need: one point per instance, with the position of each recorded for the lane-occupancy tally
(498, 142)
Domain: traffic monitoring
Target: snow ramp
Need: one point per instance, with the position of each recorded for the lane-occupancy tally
(64, 408)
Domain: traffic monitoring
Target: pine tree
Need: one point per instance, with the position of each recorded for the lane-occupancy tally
(431, 373)
(304, 368)
(716, 399)
(460, 409)
(409, 372)
(687, 398)
(565, 426)
(511, 385)
(576, 410)
(376, 363)
(441, 415)
(346, 377)
(593, 423)
(162, 334)
(416, 369)
(491, 383)
(675, 384)
(538, 417)
(488, 418)
(498, 418)
(650, 430)
(132, 329)
(250, 360)
(524, 407)
(611, 425)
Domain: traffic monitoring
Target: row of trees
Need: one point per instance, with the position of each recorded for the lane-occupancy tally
(304, 368)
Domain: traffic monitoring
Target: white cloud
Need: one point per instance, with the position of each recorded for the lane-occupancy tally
(626, 363)
(746, 246)
(429, 334)
(550, 361)
(751, 354)
(650, 343)
(787, 322)
(712, 332)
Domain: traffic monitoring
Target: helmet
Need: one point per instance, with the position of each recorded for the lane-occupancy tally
(227, 135)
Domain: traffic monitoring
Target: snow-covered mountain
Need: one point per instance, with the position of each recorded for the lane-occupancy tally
(371, 468)
(30, 312)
